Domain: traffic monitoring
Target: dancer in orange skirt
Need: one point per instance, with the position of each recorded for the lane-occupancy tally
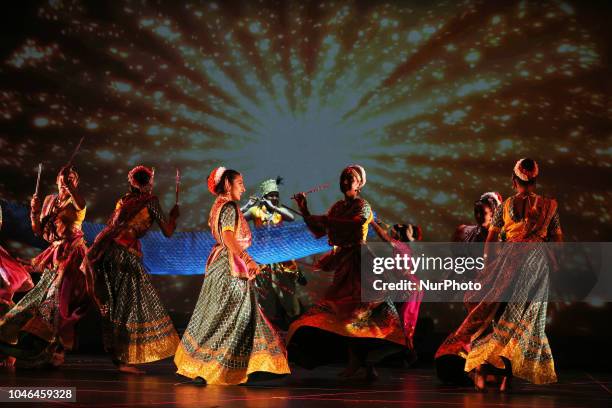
(341, 323)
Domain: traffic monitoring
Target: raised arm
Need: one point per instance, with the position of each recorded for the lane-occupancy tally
(247, 208)
(35, 213)
(77, 199)
(167, 225)
(317, 224)
(284, 212)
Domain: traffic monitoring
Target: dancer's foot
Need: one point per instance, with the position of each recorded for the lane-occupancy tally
(480, 380)
(130, 369)
(505, 384)
(57, 358)
(199, 381)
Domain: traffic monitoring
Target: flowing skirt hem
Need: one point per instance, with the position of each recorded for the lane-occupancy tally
(492, 351)
(215, 373)
(134, 353)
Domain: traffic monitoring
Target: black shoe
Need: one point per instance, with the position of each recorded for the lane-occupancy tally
(199, 381)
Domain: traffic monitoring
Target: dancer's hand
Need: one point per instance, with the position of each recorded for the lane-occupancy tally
(249, 204)
(253, 270)
(63, 177)
(269, 204)
(67, 179)
(300, 200)
(35, 204)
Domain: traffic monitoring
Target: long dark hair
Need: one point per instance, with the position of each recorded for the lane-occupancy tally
(402, 231)
(479, 209)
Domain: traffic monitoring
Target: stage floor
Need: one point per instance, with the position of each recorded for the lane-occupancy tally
(99, 384)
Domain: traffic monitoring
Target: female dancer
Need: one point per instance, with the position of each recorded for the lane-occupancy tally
(450, 357)
(508, 339)
(137, 328)
(14, 277)
(484, 209)
(228, 337)
(341, 322)
(42, 322)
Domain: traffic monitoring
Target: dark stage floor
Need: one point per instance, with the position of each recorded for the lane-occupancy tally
(99, 384)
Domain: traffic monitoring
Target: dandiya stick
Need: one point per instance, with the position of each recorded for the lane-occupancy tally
(292, 210)
(314, 190)
(76, 151)
(177, 184)
(38, 178)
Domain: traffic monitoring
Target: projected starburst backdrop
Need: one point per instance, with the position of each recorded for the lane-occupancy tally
(435, 100)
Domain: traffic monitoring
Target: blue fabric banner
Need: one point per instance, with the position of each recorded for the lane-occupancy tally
(186, 252)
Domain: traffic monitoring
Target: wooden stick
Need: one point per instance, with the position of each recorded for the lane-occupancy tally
(292, 210)
(314, 190)
(75, 151)
(38, 178)
(177, 184)
(318, 188)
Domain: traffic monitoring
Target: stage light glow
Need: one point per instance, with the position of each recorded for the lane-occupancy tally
(437, 101)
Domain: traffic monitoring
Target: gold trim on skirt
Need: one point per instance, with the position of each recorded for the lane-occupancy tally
(189, 365)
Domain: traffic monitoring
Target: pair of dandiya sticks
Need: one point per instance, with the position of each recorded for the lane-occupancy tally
(76, 150)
